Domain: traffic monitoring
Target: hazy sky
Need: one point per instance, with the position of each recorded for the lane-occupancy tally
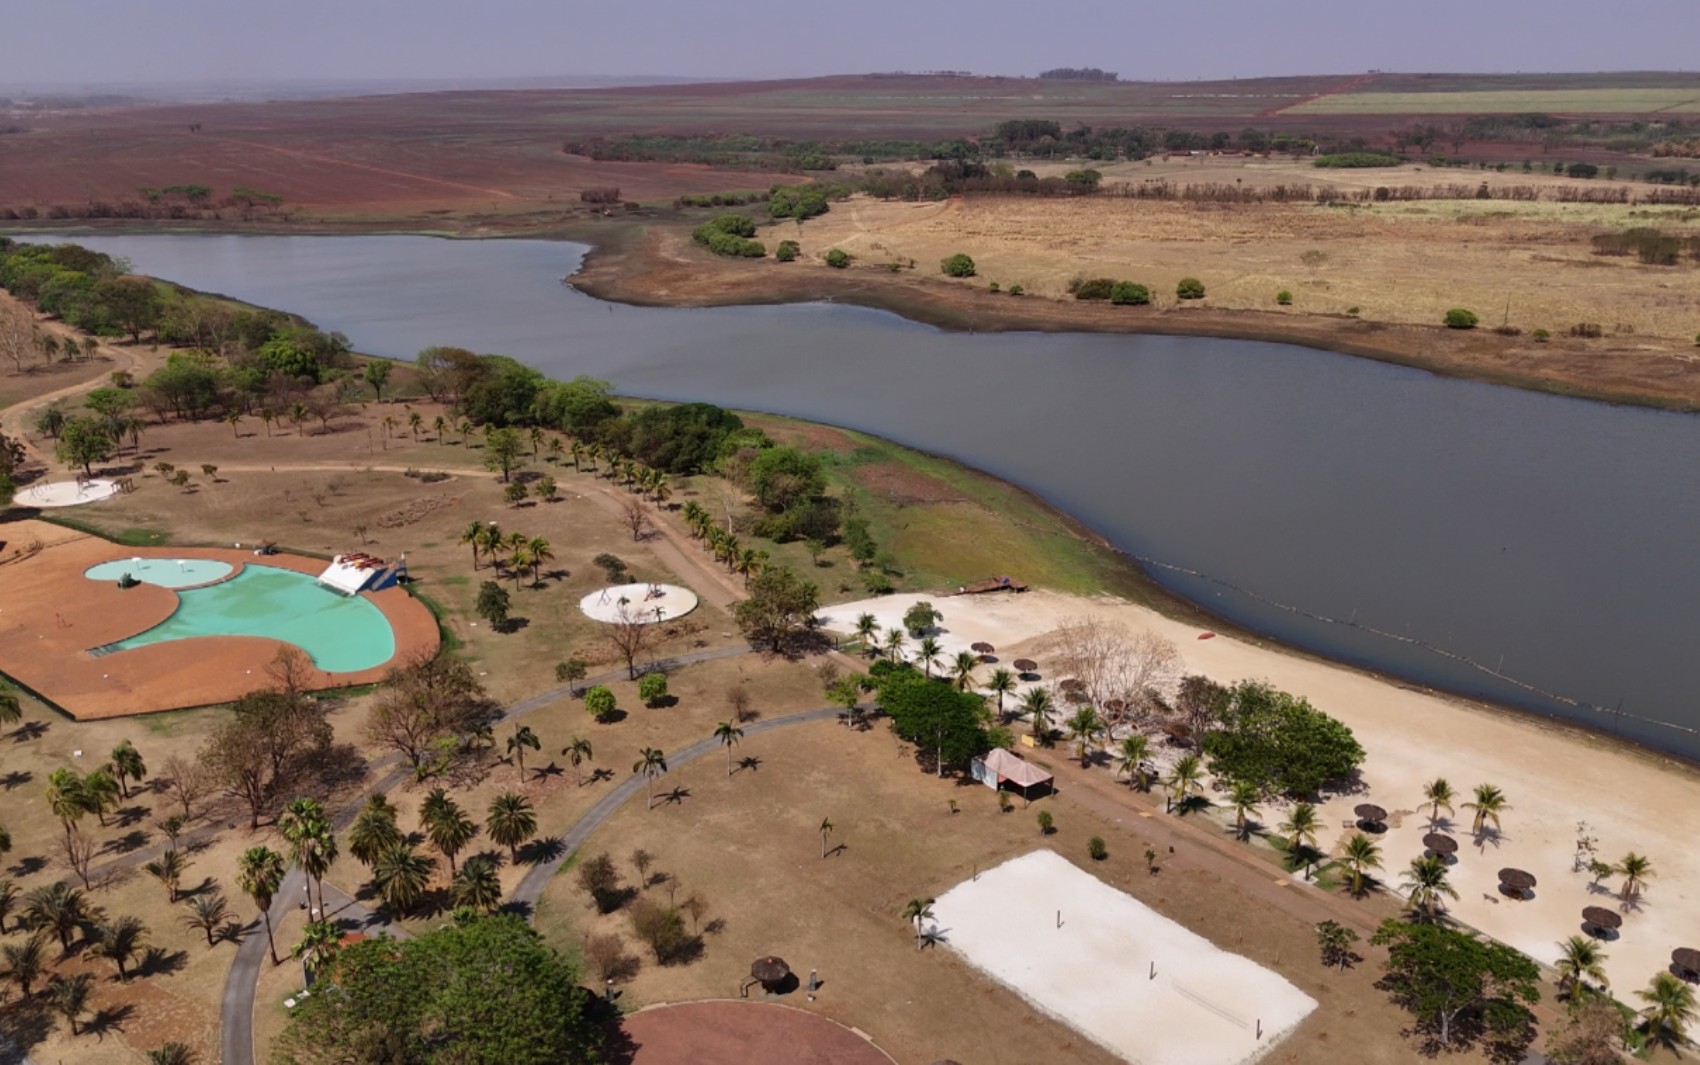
(45, 42)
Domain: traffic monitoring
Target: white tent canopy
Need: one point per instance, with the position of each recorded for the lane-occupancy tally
(999, 766)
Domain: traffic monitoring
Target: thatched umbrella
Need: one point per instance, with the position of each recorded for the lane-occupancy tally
(1441, 844)
(1115, 707)
(1073, 684)
(1516, 881)
(769, 971)
(1598, 917)
(1025, 665)
(981, 648)
(1688, 960)
(1371, 814)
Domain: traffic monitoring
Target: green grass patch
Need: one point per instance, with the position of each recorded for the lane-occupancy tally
(450, 642)
(133, 536)
(1594, 101)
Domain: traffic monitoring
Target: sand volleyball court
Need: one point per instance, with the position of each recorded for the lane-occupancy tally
(1114, 969)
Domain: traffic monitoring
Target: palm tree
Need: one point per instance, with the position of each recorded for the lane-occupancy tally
(894, 641)
(439, 425)
(555, 449)
(318, 947)
(127, 765)
(749, 563)
(915, 913)
(867, 631)
(8, 901)
(268, 416)
(449, 830)
(401, 875)
(1083, 728)
(651, 763)
(1301, 827)
(58, 908)
(168, 870)
(1003, 683)
(259, 874)
(1130, 759)
(11, 711)
(24, 963)
(119, 941)
(519, 560)
(577, 451)
(1636, 870)
(1186, 779)
(1670, 1008)
(1425, 885)
(414, 421)
(1360, 856)
(510, 823)
(208, 912)
(68, 996)
(728, 734)
(100, 793)
(826, 827)
(1438, 796)
(577, 752)
(929, 653)
(312, 843)
(233, 418)
(540, 551)
(1490, 803)
(373, 831)
(522, 738)
(1580, 959)
(473, 534)
(1245, 800)
(171, 1054)
(962, 668)
(298, 413)
(1038, 704)
(477, 886)
(65, 797)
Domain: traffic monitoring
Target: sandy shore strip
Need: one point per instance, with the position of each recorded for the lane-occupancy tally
(1553, 777)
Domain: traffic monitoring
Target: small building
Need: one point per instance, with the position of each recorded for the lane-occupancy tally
(999, 767)
(358, 572)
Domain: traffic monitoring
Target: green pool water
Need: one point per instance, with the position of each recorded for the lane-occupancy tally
(341, 634)
(165, 572)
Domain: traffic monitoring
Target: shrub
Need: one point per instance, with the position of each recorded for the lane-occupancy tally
(837, 258)
(786, 251)
(1508, 330)
(958, 265)
(729, 234)
(612, 565)
(1541, 336)
(652, 688)
(797, 201)
(599, 702)
(1190, 288)
(1129, 293)
(1093, 288)
(599, 877)
(571, 670)
(1096, 848)
(1353, 311)
(1459, 318)
(662, 928)
(1284, 298)
(1047, 824)
(877, 583)
(1356, 160)
(1587, 330)
(1016, 290)
(993, 287)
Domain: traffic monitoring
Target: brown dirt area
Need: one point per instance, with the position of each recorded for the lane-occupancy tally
(905, 486)
(743, 1033)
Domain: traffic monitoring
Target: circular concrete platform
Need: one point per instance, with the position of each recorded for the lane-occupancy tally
(644, 604)
(744, 1033)
(55, 494)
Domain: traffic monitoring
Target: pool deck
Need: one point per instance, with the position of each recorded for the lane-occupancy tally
(50, 615)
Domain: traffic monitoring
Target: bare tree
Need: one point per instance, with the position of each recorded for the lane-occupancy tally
(432, 699)
(79, 852)
(1114, 664)
(636, 517)
(17, 335)
(290, 670)
(631, 636)
(738, 698)
(238, 760)
(186, 781)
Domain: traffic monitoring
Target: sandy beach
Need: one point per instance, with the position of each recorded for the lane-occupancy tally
(1632, 800)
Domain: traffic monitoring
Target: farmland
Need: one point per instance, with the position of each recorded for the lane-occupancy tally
(1638, 101)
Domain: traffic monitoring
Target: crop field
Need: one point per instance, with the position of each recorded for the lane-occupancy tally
(1589, 101)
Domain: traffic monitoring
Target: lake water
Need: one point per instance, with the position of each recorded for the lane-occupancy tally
(1549, 539)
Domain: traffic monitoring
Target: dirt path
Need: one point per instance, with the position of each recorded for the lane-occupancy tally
(15, 419)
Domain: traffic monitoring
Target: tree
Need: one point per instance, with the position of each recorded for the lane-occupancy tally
(958, 265)
(318, 947)
(186, 781)
(1189, 288)
(1335, 940)
(1455, 984)
(68, 996)
(448, 829)
(377, 374)
(8, 901)
(84, 441)
(312, 842)
(1130, 759)
(599, 877)
(1669, 1010)
(728, 734)
(652, 764)
(780, 611)
(1244, 799)
(1301, 827)
(119, 941)
(1083, 728)
(921, 618)
(477, 885)
(1002, 683)
(168, 870)
(374, 830)
(1460, 318)
(171, 1054)
(1186, 781)
(79, 854)
(493, 605)
(1593, 1035)
(504, 450)
(652, 688)
(25, 962)
(944, 724)
(1360, 856)
(1438, 796)
(599, 702)
(1636, 870)
(1037, 705)
(58, 908)
(431, 699)
(127, 765)
(401, 875)
(867, 631)
(578, 752)
(928, 653)
(894, 639)
(837, 258)
(65, 797)
(1279, 742)
(917, 913)
(826, 829)
(1425, 885)
(1489, 803)
(1580, 959)
(962, 669)
(523, 738)
(511, 822)
(259, 875)
(1113, 663)
(210, 912)
(480, 989)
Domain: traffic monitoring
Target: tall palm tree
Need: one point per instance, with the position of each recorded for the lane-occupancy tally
(1186, 780)
(1489, 804)
(867, 631)
(1636, 870)
(929, 653)
(826, 827)
(233, 418)
(312, 843)
(320, 941)
(578, 752)
(535, 435)
(100, 793)
(1361, 855)
(962, 669)
(119, 941)
(477, 886)
(1003, 683)
(540, 552)
(1425, 885)
(127, 765)
(1580, 959)
(58, 908)
(25, 962)
(749, 564)
(8, 901)
(1670, 1008)
(1438, 796)
(1245, 800)
(894, 641)
(401, 875)
(519, 560)
(259, 875)
(11, 710)
(373, 831)
(1084, 727)
(474, 534)
(651, 763)
(511, 822)
(728, 734)
(555, 449)
(171, 1054)
(439, 425)
(918, 911)
(523, 738)
(1301, 827)
(65, 797)
(1130, 759)
(168, 870)
(450, 830)
(1039, 705)
(414, 421)
(68, 996)
(208, 912)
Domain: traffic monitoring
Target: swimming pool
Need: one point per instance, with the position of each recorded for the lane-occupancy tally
(165, 572)
(341, 634)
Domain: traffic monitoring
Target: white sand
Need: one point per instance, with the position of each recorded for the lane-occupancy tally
(1203, 1007)
(644, 604)
(54, 494)
(1553, 778)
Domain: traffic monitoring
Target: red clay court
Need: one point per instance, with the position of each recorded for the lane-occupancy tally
(744, 1033)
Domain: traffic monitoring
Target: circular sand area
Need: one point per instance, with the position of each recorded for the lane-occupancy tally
(744, 1033)
(55, 494)
(644, 604)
